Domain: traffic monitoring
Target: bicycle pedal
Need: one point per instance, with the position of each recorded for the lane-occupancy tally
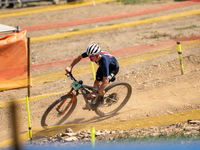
(93, 106)
(85, 107)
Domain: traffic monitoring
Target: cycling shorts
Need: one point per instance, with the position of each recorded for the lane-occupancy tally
(112, 73)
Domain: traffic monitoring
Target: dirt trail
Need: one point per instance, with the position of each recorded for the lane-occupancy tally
(107, 18)
(158, 86)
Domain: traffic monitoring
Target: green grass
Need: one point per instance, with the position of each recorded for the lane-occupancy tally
(180, 0)
(132, 2)
(144, 18)
(158, 35)
(190, 27)
(109, 24)
(176, 36)
(155, 35)
(74, 30)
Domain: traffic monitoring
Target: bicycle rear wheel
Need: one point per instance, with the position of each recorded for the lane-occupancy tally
(116, 96)
(53, 117)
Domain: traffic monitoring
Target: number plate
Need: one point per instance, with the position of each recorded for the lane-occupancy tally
(75, 85)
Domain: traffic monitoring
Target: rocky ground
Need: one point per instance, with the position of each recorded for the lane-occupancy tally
(176, 131)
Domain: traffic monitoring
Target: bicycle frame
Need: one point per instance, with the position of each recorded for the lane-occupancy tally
(69, 104)
(84, 91)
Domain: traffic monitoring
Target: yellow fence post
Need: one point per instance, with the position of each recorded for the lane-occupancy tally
(120, 2)
(29, 120)
(29, 87)
(93, 71)
(180, 56)
(93, 136)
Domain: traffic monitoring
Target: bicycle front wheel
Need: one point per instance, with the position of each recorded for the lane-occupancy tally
(116, 96)
(54, 116)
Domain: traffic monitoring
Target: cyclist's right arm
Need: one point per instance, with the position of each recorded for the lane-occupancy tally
(75, 61)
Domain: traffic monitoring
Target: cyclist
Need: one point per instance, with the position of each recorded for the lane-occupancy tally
(108, 68)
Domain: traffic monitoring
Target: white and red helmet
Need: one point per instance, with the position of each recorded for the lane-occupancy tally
(93, 49)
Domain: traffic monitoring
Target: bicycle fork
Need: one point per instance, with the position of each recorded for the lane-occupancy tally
(69, 104)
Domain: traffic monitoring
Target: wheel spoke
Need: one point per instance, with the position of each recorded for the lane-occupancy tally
(55, 116)
(114, 98)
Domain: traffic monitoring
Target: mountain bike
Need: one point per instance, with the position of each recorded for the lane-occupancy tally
(116, 96)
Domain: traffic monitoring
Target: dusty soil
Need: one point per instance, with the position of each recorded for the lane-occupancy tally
(158, 86)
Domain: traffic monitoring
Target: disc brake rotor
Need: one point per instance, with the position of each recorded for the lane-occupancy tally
(112, 98)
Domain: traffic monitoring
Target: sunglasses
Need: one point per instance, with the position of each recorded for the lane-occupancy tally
(92, 57)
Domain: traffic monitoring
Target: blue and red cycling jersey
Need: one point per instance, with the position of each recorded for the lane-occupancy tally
(107, 61)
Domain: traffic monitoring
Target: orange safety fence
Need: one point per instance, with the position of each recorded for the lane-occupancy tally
(13, 61)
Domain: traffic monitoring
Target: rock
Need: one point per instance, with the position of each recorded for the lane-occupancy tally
(121, 132)
(69, 134)
(188, 121)
(54, 139)
(194, 122)
(170, 112)
(83, 132)
(70, 139)
(107, 132)
(86, 139)
(154, 134)
(111, 138)
(187, 133)
(112, 132)
(195, 132)
(85, 135)
(58, 135)
(88, 131)
(50, 138)
(99, 133)
(191, 128)
(55, 2)
(178, 125)
(68, 130)
(162, 131)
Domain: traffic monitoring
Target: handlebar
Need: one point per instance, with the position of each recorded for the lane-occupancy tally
(71, 76)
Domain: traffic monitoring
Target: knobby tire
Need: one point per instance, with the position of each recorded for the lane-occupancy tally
(111, 112)
(54, 105)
